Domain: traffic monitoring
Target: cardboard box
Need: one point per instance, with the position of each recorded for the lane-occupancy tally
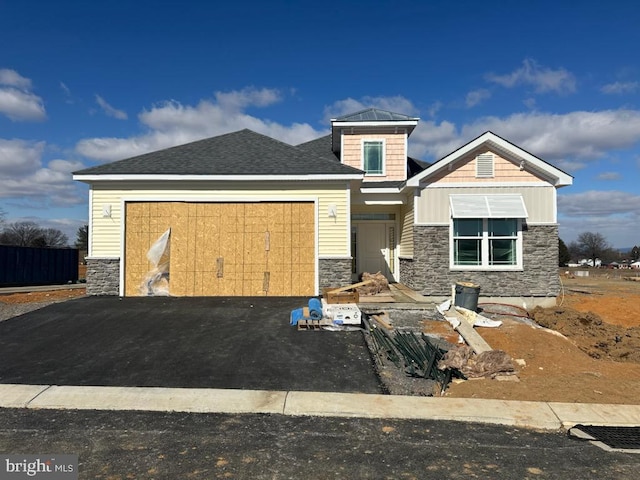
(340, 297)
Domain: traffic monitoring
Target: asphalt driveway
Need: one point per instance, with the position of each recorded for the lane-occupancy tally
(241, 343)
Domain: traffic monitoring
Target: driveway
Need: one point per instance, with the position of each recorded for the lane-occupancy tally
(235, 342)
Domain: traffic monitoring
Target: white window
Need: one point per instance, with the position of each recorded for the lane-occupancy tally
(373, 157)
(486, 231)
(486, 243)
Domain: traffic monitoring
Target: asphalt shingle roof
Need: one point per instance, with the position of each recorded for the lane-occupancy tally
(239, 153)
(321, 147)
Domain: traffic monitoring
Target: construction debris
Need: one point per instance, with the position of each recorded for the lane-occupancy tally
(419, 357)
(373, 284)
(486, 364)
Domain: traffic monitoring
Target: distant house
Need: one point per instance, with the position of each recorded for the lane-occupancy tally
(250, 215)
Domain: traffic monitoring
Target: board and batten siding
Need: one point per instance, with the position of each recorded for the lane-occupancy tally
(540, 201)
(106, 232)
(395, 167)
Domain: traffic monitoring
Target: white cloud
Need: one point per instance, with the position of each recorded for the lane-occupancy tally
(18, 157)
(172, 123)
(599, 203)
(620, 87)
(109, 110)
(609, 176)
(542, 79)
(23, 177)
(250, 96)
(14, 79)
(476, 97)
(614, 214)
(21, 105)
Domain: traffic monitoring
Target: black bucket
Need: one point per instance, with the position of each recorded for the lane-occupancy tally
(467, 295)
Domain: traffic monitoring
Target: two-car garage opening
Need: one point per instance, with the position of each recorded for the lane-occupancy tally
(224, 249)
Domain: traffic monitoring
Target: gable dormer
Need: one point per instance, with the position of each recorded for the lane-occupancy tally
(374, 141)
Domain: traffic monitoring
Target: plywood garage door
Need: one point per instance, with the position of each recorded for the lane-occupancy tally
(234, 249)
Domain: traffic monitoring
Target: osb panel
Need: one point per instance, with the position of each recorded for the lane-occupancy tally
(143, 227)
(204, 232)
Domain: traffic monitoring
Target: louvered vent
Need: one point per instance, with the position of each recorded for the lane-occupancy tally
(484, 165)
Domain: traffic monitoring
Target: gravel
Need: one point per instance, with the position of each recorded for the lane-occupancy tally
(10, 310)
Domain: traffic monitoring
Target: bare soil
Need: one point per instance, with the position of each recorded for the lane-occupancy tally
(589, 351)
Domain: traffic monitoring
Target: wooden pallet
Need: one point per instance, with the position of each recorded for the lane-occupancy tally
(308, 324)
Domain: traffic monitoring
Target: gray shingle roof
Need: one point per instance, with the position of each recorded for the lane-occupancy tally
(321, 147)
(373, 115)
(239, 153)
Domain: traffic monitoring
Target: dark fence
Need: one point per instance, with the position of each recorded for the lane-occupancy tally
(37, 266)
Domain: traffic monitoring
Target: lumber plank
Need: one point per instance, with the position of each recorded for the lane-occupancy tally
(382, 321)
(473, 338)
(349, 287)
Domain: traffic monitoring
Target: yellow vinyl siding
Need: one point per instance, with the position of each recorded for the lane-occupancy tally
(395, 155)
(434, 202)
(464, 170)
(406, 228)
(105, 235)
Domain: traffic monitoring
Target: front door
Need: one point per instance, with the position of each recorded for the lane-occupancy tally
(373, 249)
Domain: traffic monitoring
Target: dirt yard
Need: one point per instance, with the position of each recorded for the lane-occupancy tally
(589, 352)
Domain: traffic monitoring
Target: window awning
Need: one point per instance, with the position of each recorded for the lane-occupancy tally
(487, 206)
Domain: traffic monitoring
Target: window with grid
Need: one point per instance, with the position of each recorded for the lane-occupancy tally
(486, 242)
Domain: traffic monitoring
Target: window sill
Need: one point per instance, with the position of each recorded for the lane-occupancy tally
(514, 268)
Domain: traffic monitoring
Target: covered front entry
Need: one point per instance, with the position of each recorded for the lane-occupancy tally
(230, 249)
(374, 244)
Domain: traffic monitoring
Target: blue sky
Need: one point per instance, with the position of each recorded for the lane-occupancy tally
(82, 83)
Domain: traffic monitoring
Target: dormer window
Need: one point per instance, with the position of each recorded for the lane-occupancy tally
(373, 157)
(484, 166)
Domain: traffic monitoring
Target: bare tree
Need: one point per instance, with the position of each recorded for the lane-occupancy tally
(593, 245)
(54, 238)
(21, 234)
(29, 234)
(82, 238)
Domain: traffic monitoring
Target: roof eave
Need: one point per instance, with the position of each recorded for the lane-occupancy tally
(376, 123)
(560, 178)
(250, 178)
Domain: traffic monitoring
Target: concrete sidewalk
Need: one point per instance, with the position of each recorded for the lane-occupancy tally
(536, 415)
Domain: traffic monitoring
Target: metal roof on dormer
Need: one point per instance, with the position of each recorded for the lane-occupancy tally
(370, 120)
(374, 115)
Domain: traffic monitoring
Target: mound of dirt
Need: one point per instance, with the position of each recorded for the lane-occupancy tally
(590, 334)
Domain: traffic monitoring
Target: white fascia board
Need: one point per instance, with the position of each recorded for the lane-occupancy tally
(383, 202)
(560, 178)
(233, 178)
(379, 190)
(390, 123)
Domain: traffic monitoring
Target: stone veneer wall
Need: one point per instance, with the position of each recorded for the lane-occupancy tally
(334, 272)
(429, 274)
(103, 276)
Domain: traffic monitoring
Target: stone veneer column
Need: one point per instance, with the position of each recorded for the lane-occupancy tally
(103, 276)
(334, 272)
(429, 272)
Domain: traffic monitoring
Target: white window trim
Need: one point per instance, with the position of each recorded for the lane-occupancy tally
(485, 251)
(384, 156)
